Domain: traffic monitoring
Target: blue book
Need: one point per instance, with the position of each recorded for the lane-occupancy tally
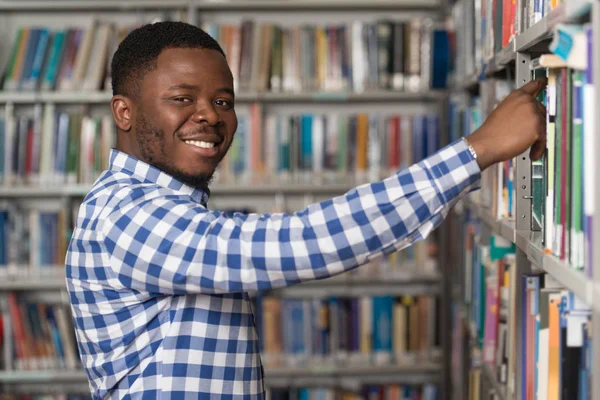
(382, 323)
(303, 394)
(441, 58)
(297, 319)
(38, 60)
(306, 141)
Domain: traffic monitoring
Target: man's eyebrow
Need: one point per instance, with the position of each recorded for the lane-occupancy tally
(227, 90)
(194, 87)
(183, 86)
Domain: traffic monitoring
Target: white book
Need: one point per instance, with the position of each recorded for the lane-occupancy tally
(318, 137)
(10, 129)
(359, 57)
(48, 145)
(37, 138)
(97, 58)
(374, 148)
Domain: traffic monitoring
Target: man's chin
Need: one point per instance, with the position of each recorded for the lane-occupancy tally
(198, 180)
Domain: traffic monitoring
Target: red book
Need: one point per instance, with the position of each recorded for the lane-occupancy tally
(513, 19)
(18, 328)
(506, 13)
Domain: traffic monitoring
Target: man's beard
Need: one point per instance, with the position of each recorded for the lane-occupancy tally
(151, 142)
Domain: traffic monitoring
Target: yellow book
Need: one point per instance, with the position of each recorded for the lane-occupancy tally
(362, 140)
(321, 59)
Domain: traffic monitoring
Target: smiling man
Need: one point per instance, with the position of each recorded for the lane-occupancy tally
(158, 282)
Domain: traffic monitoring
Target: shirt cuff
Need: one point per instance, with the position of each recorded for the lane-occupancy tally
(455, 171)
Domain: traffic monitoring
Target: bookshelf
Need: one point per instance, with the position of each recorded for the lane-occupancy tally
(530, 243)
(219, 5)
(533, 257)
(320, 97)
(296, 193)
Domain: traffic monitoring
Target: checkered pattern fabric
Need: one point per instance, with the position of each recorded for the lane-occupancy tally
(159, 283)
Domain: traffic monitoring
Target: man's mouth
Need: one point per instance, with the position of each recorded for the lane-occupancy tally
(200, 143)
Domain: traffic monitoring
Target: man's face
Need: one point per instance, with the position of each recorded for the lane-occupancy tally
(185, 119)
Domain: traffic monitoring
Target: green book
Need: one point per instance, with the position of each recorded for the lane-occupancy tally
(57, 47)
(276, 60)
(557, 164)
(577, 237)
(8, 76)
(569, 141)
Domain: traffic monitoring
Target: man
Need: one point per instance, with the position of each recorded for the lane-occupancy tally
(158, 282)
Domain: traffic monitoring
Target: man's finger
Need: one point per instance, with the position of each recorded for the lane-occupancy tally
(534, 87)
(538, 149)
(541, 108)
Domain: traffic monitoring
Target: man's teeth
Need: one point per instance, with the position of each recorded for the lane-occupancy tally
(199, 143)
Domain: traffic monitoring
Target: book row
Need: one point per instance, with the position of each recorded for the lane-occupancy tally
(316, 147)
(44, 397)
(34, 238)
(36, 336)
(371, 392)
(56, 147)
(533, 335)
(67, 59)
(396, 55)
(379, 330)
(562, 208)
(386, 54)
(484, 27)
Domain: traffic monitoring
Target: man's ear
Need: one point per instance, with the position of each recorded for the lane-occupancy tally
(121, 108)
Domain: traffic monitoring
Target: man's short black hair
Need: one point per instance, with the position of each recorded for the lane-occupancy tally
(137, 53)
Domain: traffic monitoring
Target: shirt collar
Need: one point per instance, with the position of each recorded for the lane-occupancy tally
(146, 173)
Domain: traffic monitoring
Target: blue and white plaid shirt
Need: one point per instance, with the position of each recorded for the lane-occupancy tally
(158, 283)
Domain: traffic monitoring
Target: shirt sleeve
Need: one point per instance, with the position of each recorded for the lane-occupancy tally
(164, 243)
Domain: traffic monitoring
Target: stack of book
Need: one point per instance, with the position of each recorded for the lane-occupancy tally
(491, 26)
(45, 397)
(562, 208)
(380, 330)
(554, 354)
(391, 392)
(357, 57)
(65, 60)
(34, 240)
(56, 147)
(330, 147)
(36, 336)
(53, 147)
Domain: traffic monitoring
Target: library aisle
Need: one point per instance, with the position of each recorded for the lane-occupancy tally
(501, 302)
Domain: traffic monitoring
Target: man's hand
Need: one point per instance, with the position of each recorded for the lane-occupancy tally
(519, 122)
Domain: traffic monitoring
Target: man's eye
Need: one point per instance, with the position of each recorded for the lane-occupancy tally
(224, 103)
(181, 99)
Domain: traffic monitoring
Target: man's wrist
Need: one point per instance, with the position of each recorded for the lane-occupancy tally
(482, 155)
